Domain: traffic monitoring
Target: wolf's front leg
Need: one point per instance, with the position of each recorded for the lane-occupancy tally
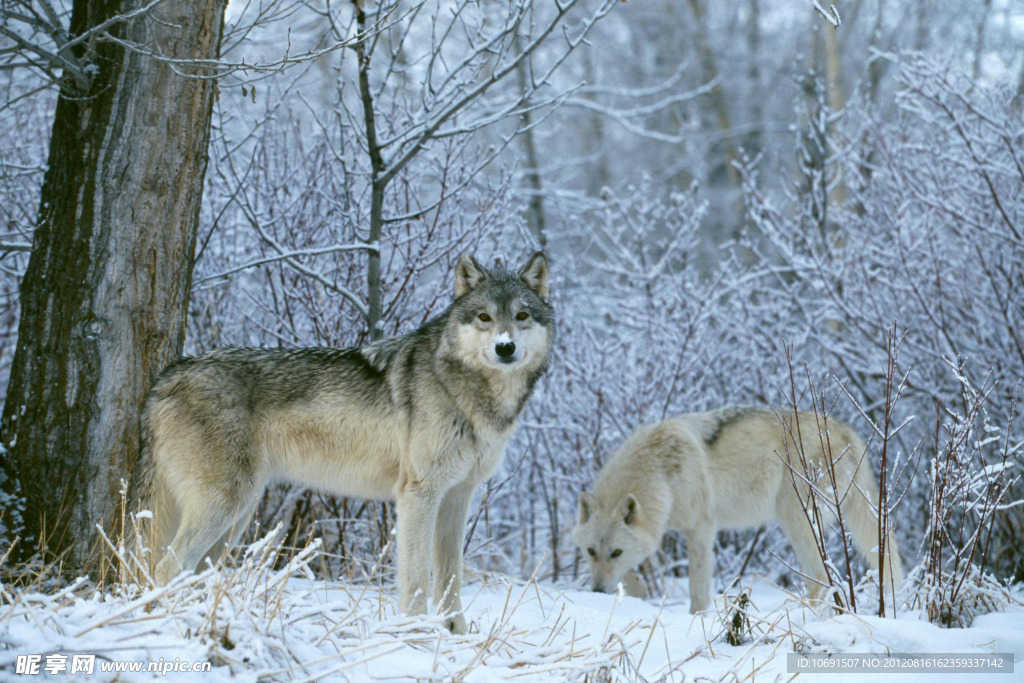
(700, 545)
(449, 535)
(417, 509)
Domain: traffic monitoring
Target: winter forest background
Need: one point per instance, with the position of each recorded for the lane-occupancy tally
(757, 201)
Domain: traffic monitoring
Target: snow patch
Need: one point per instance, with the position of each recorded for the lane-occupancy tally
(269, 618)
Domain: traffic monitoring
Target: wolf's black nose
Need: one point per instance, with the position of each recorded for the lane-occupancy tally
(505, 350)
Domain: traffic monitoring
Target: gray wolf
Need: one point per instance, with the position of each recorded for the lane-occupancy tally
(733, 468)
(421, 419)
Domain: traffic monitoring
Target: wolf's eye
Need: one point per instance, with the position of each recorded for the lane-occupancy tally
(484, 318)
(616, 553)
(522, 315)
(591, 552)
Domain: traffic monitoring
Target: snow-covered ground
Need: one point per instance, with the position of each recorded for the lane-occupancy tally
(258, 623)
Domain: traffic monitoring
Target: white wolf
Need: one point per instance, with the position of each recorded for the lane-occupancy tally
(421, 419)
(725, 469)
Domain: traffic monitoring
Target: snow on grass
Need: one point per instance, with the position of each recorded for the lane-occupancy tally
(270, 619)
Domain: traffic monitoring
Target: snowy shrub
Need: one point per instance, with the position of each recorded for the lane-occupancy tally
(929, 239)
(975, 468)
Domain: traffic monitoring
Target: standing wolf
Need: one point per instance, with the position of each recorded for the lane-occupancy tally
(733, 468)
(421, 419)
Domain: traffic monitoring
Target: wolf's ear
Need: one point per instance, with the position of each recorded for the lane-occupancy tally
(535, 274)
(468, 274)
(629, 508)
(587, 505)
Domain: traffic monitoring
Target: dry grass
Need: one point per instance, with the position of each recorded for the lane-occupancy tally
(265, 613)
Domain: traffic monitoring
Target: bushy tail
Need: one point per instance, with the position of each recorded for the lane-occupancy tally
(150, 510)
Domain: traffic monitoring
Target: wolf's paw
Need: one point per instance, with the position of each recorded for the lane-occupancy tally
(456, 624)
(166, 570)
(697, 606)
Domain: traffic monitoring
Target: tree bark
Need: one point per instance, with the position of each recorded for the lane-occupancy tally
(836, 95)
(104, 299)
(709, 72)
(752, 141)
(378, 184)
(535, 209)
(979, 41)
(597, 175)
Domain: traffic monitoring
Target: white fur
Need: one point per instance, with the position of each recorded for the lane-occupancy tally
(727, 469)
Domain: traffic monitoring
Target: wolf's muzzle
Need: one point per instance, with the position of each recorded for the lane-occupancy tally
(506, 351)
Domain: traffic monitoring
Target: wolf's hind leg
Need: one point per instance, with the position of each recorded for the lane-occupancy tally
(229, 539)
(449, 537)
(797, 527)
(860, 513)
(198, 531)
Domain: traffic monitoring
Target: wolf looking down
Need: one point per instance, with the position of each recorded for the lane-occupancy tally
(421, 419)
(733, 468)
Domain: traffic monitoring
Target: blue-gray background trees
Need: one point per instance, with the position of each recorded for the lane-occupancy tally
(715, 183)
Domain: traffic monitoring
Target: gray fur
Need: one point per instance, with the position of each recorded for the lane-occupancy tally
(422, 419)
(720, 420)
(725, 469)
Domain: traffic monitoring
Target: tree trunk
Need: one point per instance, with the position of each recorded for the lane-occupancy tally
(378, 184)
(104, 299)
(709, 72)
(752, 141)
(924, 11)
(979, 41)
(535, 210)
(596, 173)
(876, 71)
(836, 97)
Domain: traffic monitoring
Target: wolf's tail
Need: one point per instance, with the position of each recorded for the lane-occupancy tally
(151, 510)
(861, 516)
